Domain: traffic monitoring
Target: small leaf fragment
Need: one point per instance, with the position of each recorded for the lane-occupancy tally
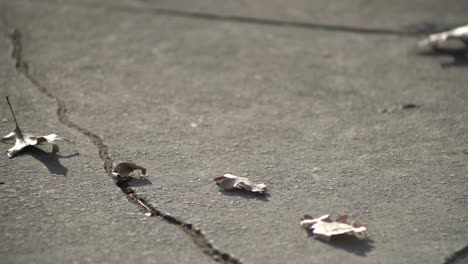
(324, 227)
(122, 170)
(229, 182)
(455, 39)
(22, 140)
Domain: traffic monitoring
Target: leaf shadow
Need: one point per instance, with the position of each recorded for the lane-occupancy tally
(50, 159)
(247, 195)
(351, 244)
(460, 57)
(138, 182)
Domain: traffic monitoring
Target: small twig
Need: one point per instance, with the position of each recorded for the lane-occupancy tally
(11, 109)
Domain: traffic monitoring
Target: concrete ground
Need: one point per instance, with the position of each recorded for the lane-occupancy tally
(305, 96)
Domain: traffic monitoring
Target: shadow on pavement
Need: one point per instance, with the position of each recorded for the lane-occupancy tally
(461, 256)
(138, 182)
(50, 159)
(460, 57)
(352, 244)
(247, 195)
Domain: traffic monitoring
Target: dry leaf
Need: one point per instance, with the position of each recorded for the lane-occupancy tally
(122, 170)
(454, 39)
(324, 227)
(22, 140)
(229, 182)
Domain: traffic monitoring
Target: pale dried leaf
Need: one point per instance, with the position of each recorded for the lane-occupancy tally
(324, 227)
(10, 135)
(122, 170)
(19, 145)
(252, 187)
(454, 39)
(50, 139)
(22, 140)
(229, 182)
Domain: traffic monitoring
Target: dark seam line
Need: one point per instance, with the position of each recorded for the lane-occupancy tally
(460, 256)
(245, 19)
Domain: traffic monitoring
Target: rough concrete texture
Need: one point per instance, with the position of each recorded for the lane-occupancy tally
(313, 109)
(62, 208)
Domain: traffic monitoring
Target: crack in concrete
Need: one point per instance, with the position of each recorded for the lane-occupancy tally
(459, 256)
(195, 234)
(246, 19)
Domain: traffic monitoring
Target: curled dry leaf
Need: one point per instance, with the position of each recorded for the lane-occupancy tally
(324, 227)
(122, 170)
(229, 182)
(454, 39)
(22, 140)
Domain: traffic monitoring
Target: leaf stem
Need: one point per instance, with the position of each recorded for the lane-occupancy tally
(11, 109)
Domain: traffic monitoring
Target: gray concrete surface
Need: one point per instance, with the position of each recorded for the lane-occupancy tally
(63, 208)
(301, 108)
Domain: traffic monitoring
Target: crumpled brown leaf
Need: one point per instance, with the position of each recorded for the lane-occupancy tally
(324, 227)
(22, 140)
(122, 170)
(454, 39)
(229, 182)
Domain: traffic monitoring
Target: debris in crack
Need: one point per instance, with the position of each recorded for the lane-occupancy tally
(408, 106)
(197, 236)
(22, 140)
(230, 182)
(324, 227)
(123, 170)
(452, 40)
